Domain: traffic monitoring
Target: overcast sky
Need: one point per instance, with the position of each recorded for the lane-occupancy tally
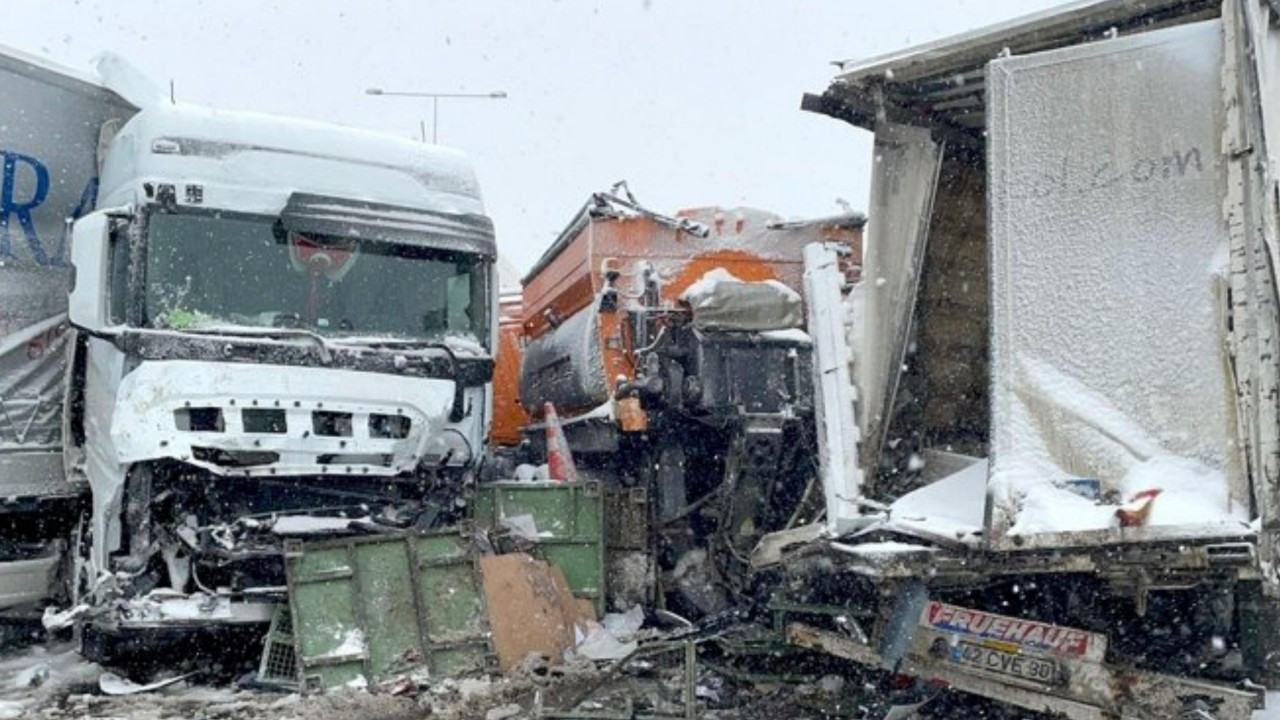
(694, 103)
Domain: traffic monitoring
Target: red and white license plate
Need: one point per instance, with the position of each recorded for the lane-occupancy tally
(1020, 636)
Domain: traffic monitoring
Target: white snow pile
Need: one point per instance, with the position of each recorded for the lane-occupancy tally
(878, 557)
(352, 643)
(1163, 490)
(791, 335)
(54, 619)
(1060, 430)
(950, 509)
(1189, 494)
(37, 676)
(883, 552)
(312, 525)
(525, 472)
(613, 638)
(721, 301)
(112, 684)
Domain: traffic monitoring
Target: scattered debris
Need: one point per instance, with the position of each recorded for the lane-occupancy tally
(112, 684)
(531, 609)
(55, 619)
(503, 712)
(601, 644)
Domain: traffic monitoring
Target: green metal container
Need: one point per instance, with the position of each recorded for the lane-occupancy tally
(367, 609)
(569, 518)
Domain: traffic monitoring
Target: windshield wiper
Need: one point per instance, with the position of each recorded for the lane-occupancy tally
(458, 411)
(326, 352)
(389, 341)
(375, 340)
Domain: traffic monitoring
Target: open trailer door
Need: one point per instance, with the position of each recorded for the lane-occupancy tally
(904, 180)
(50, 124)
(1110, 262)
(1251, 90)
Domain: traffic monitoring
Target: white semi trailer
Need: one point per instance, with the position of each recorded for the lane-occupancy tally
(1050, 439)
(221, 330)
(52, 124)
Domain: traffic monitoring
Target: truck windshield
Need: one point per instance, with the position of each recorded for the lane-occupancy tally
(208, 271)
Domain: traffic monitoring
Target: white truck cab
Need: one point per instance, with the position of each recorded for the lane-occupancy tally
(282, 328)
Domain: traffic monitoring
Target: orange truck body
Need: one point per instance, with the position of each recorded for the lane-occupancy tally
(615, 244)
(508, 414)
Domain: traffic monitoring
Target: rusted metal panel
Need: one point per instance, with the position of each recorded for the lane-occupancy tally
(530, 609)
(569, 519)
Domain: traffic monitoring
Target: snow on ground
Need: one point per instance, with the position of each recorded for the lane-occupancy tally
(52, 682)
(36, 676)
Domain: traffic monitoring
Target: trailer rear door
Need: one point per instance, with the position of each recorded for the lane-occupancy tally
(1110, 262)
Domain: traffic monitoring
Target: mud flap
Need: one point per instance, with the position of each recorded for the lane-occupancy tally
(900, 626)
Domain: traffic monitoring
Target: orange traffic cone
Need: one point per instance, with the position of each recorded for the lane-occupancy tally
(559, 460)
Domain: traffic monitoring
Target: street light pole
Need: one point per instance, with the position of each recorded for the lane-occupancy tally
(435, 104)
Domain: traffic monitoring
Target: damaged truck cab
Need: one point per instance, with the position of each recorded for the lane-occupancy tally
(673, 348)
(281, 327)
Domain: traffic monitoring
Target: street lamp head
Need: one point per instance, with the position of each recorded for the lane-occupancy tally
(498, 94)
(373, 91)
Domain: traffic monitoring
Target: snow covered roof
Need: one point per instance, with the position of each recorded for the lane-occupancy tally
(851, 220)
(608, 205)
(47, 71)
(253, 151)
(942, 83)
(699, 222)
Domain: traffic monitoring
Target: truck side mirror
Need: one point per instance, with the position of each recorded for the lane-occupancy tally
(90, 237)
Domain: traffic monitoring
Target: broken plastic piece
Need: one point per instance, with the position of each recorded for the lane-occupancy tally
(111, 684)
(1135, 513)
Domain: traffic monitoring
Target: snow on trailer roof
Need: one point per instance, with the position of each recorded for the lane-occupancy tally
(851, 220)
(942, 83)
(602, 205)
(24, 63)
(306, 152)
(698, 222)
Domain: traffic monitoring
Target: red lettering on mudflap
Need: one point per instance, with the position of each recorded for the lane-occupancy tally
(989, 626)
